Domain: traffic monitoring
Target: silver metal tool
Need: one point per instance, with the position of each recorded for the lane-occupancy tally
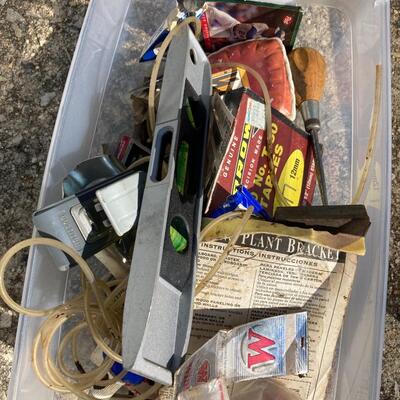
(159, 298)
(91, 219)
(310, 113)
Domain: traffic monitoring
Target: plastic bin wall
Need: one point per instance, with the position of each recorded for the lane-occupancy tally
(79, 120)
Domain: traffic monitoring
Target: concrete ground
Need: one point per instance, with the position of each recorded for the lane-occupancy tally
(391, 356)
(37, 41)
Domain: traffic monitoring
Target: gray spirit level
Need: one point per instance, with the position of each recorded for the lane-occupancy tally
(159, 298)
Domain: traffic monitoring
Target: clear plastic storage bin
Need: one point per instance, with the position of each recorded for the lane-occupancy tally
(354, 35)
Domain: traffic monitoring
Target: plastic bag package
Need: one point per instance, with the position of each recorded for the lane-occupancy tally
(258, 389)
(213, 390)
(262, 389)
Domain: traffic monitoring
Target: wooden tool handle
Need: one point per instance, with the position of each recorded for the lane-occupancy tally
(308, 69)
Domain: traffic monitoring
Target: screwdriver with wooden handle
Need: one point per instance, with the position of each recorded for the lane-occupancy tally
(309, 69)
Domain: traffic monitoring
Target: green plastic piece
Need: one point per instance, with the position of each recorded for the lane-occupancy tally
(189, 114)
(178, 241)
(183, 153)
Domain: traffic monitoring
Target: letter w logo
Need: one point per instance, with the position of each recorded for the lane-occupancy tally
(258, 347)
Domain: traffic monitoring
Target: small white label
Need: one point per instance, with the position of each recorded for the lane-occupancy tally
(255, 115)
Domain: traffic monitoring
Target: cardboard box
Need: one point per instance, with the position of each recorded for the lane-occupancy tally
(245, 159)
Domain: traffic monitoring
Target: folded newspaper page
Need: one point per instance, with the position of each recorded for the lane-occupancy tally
(274, 346)
(269, 274)
(273, 270)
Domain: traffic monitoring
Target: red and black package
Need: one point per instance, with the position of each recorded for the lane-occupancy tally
(225, 23)
(245, 161)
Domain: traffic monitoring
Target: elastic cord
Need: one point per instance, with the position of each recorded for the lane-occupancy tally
(217, 221)
(107, 300)
(96, 335)
(42, 242)
(372, 135)
(70, 336)
(203, 283)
